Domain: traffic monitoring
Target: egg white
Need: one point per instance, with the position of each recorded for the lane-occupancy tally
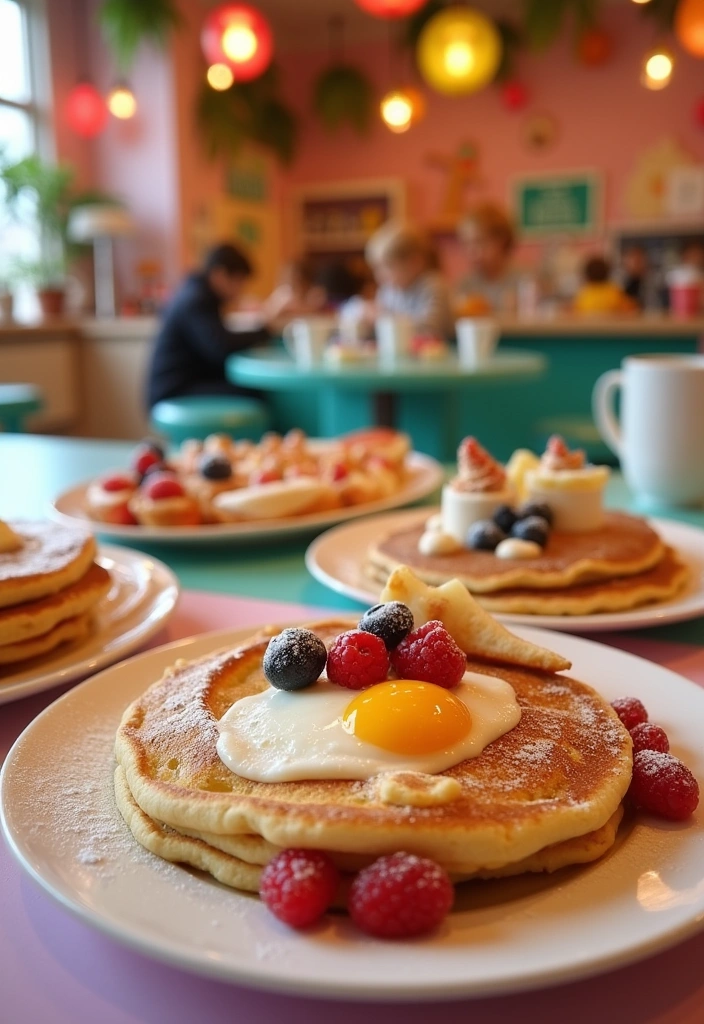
(275, 736)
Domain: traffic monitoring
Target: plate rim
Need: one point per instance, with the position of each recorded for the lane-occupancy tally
(645, 617)
(262, 979)
(224, 532)
(10, 691)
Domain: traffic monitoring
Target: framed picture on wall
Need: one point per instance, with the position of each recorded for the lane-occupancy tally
(570, 203)
(340, 217)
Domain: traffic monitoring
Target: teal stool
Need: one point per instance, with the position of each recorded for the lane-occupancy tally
(201, 415)
(17, 402)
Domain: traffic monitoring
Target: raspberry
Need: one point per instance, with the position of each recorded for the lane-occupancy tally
(294, 659)
(122, 517)
(429, 653)
(357, 660)
(264, 476)
(143, 458)
(630, 711)
(662, 785)
(400, 896)
(298, 886)
(339, 472)
(391, 621)
(646, 736)
(117, 483)
(162, 486)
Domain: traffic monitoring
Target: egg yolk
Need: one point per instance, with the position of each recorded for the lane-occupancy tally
(406, 716)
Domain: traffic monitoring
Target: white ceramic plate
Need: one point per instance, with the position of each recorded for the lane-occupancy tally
(647, 894)
(142, 597)
(424, 477)
(337, 559)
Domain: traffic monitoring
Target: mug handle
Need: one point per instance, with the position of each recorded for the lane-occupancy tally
(603, 409)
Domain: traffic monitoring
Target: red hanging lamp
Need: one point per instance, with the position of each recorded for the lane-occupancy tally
(240, 37)
(86, 110)
(391, 8)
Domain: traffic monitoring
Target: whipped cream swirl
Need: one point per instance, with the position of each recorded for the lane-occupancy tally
(479, 472)
(558, 457)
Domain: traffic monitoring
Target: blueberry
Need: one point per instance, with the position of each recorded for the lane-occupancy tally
(215, 467)
(536, 508)
(505, 517)
(532, 528)
(391, 622)
(294, 659)
(484, 535)
(154, 445)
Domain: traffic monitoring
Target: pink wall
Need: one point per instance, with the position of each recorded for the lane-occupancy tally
(606, 119)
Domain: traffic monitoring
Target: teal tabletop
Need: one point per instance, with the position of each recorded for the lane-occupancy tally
(40, 468)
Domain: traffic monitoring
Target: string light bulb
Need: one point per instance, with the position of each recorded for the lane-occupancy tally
(220, 77)
(459, 50)
(657, 69)
(122, 102)
(397, 111)
(239, 36)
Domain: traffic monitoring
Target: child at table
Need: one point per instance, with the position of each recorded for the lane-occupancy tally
(405, 267)
(599, 294)
(490, 284)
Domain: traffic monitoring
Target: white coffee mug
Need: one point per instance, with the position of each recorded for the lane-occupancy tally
(394, 333)
(660, 439)
(477, 338)
(306, 338)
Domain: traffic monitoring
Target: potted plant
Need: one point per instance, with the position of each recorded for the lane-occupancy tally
(43, 194)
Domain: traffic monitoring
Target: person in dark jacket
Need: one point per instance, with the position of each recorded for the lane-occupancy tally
(193, 342)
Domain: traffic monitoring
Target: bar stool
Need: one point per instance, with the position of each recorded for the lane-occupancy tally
(198, 416)
(17, 401)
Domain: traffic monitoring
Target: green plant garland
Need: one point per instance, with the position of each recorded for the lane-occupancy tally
(342, 93)
(126, 24)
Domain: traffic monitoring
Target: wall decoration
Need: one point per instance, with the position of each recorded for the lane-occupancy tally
(459, 51)
(684, 192)
(646, 186)
(462, 171)
(126, 24)
(86, 111)
(240, 36)
(342, 216)
(558, 204)
(247, 112)
(541, 131)
(689, 26)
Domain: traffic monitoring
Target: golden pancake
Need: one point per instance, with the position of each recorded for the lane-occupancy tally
(33, 618)
(624, 546)
(220, 855)
(665, 580)
(70, 629)
(51, 558)
(559, 774)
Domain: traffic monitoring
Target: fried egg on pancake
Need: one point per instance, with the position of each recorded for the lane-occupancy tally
(51, 557)
(559, 774)
(624, 546)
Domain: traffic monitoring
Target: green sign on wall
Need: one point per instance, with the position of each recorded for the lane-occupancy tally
(567, 204)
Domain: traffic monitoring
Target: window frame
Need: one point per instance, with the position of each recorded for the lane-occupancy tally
(38, 107)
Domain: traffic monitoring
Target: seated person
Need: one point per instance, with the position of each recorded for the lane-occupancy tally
(599, 294)
(193, 343)
(635, 273)
(404, 265)
(491, 284)
(299, 294)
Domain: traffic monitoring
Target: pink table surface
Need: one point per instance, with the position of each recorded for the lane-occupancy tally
(56, 970)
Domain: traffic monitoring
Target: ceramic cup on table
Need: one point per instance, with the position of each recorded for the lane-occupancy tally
(394, 334)
(660, 437)
(477, 338)
(307, 337)
(685, 287)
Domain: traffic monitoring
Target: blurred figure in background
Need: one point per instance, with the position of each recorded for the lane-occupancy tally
(193, 343)
(299, 293)
(405, 267)
(598, 293)
(491, 284)
(636, 274)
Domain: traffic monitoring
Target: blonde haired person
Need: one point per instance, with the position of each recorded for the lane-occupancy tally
(488, 238)
(405, 266)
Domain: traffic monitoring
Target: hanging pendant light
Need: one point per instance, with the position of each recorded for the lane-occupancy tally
(391, 8)
(689, 26)
(86, 111)
(658, 65)
(220, 77)
(122, 102)
(459, 51)
(240, 37)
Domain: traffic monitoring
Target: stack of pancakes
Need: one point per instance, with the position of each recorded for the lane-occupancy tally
(622, 565)
(49, 586)
(545, 795)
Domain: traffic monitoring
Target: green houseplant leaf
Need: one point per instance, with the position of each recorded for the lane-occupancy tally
(342, 93)
(126, 24)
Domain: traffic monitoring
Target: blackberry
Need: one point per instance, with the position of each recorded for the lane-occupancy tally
(533, 528)
(505, 517)
(484, 535)
(536, 508)
(215, 467)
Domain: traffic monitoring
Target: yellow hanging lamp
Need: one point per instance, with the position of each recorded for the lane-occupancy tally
(459, 51)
